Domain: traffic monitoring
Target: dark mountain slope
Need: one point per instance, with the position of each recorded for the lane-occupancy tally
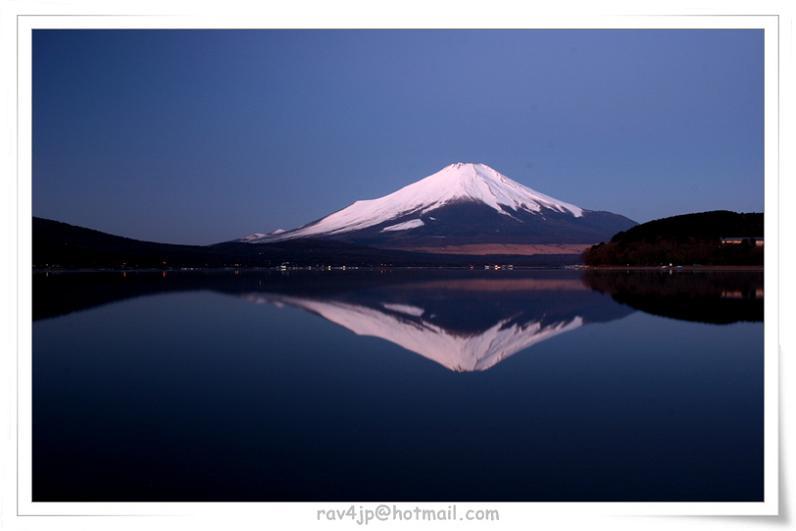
(470, 222)
(60, 245)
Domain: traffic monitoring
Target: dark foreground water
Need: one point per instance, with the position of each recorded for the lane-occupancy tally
(457, 385)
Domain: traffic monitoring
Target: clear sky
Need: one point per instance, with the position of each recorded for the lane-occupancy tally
(204, 136)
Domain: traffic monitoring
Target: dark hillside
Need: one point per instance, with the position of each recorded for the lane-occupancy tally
(685, 240)
(58, 245)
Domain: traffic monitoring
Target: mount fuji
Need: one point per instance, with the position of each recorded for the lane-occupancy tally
(462, 204)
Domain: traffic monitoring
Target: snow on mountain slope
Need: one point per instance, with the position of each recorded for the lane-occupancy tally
(455, 183)
(260, 235)
(406, 225)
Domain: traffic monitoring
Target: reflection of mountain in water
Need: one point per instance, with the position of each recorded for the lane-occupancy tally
(463, 320)
(462, 324)
(405, 326)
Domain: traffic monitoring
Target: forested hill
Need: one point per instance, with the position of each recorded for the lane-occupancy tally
(685, 240)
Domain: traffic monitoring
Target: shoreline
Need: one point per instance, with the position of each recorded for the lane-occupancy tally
(339, 269)
(754, 268)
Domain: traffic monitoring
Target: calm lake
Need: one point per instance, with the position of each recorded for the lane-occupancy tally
(398, 385)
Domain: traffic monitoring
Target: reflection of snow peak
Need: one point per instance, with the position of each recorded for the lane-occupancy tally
(405, 308)
(402, 325)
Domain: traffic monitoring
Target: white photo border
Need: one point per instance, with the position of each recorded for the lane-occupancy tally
(293, 512)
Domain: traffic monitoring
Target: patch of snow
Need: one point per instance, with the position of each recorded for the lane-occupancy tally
(406, 225)
(405, 308)
(256, 236)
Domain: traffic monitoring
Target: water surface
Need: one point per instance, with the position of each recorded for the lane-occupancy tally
(398, 385)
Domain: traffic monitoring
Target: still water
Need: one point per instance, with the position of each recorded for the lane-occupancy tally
(398, 385)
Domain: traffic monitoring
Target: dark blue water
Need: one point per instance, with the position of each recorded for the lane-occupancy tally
(521, 386)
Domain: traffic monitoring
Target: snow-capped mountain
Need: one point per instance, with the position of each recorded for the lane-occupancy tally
(464, 203)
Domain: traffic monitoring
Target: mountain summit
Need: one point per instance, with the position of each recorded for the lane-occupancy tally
(464, 203)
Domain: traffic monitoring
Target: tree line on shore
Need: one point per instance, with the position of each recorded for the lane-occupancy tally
(685, 240)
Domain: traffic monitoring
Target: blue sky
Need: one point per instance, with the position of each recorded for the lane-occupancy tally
(204, 136)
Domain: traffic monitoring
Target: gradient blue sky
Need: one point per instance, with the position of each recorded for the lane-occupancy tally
(204, 136)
